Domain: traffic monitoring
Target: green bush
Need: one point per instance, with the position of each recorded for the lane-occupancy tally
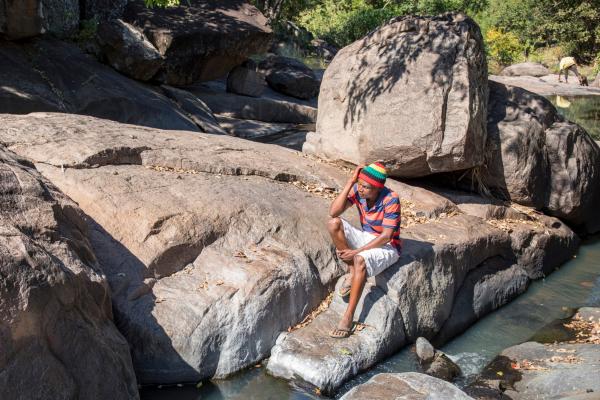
(505, 48)
(341, 22)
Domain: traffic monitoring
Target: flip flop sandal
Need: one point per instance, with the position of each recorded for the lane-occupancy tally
(344, 290)
(338, 333)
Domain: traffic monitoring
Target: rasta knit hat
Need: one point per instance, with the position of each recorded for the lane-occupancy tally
(374, 174)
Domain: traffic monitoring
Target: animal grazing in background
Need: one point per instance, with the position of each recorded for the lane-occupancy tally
(569, 64)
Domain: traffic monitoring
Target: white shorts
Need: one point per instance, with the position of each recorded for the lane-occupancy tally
(376, 260)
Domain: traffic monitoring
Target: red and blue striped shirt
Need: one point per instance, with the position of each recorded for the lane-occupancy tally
(385, 213)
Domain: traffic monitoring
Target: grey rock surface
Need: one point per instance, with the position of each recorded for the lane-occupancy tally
(547, 85)
(267, 108)
(412, 93)
(525, 69)
(127, 50)
(442, 367)
(558, 370)
(535, 158)
(405, 386)
(56, 321)
(201, 39)
(50, 75)
(424, 349)
(245, 81)
(195, 109)
(208, 246)
(289, 76)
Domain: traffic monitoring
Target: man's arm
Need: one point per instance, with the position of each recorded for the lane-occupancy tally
(341, 203)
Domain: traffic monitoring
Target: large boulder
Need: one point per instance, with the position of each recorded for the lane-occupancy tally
(289, 76)
(245, 81)
(412, 93)
(535, 158)
(527, 69)
(50, 75)
(21, 19)
(201, 39)
(56, 327)
(128, 51)
(406, 385)
(212, 245)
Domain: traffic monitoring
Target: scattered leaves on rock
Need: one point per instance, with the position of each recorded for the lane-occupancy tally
(310, 317)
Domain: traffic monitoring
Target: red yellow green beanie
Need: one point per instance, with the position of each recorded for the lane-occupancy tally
(374, 174)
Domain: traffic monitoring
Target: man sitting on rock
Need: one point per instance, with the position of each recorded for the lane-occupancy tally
(370, 250)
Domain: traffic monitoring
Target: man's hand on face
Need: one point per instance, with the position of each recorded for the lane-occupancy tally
(346, 255)
(356, 173)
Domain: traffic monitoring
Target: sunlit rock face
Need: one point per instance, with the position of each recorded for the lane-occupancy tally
(412, 93)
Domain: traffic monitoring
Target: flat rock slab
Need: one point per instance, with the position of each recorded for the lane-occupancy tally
(547, 85)
(267, 108)
(405, 386)
(554, 371)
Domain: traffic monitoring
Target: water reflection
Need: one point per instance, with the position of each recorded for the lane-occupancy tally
(583, 110)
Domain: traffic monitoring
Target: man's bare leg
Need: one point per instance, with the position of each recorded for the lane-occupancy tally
(336, 231)
(359, 277)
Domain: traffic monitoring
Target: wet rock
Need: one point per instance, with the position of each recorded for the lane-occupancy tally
(558, 370)
(407, 385)
(58, 76)
(442, 367)
(412, 93)
(56, 322)
(425, 350)
(128, 51)
(434, 362)
(27, 18)
(536, 159)
(526, 68)
(200, 39)
(245, 81)
(289, 76)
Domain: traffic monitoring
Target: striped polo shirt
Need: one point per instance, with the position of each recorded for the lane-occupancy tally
(385, 213)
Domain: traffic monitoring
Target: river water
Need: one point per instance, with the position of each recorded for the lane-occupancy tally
(575, 284)
(584, 110)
